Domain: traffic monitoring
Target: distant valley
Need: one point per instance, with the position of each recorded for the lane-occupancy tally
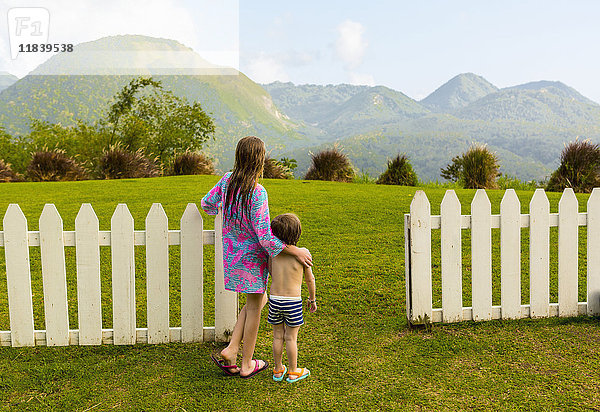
(526, 125)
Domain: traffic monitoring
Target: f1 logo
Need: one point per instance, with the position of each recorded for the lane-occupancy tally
(27, 25)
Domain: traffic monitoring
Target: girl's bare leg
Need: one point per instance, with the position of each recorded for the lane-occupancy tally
(254, 305)
(278, 336)
(291, 346)
(231, 351)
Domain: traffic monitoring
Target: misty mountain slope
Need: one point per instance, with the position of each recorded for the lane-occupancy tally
(7, 80)
(458, 92)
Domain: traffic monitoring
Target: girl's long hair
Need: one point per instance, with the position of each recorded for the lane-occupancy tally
(248, 167)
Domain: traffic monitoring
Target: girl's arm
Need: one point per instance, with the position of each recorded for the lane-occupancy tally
(301, 254)
(261, 223)
(213, 199)
(309, 278)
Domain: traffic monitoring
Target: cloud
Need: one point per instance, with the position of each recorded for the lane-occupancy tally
(265, 68)
(350, 44)
(362, 79)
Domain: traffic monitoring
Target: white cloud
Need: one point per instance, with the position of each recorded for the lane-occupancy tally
(265, 68)
(362, 79)
(350, 44)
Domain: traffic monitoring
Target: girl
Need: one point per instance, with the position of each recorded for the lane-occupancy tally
(247, 244)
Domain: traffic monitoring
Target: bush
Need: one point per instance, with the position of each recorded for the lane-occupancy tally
(275, 169)
(118, 163)
(579, 168)
(54, 166)
(399, 172)
(477, 168)
(7, 174)
(332, 165)
(192, 163)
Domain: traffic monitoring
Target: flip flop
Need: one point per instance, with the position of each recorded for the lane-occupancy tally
(256, 370)
(225, 368)
(304, 373)
(282, 371)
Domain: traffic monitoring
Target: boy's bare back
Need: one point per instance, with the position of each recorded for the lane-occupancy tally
(287, 275)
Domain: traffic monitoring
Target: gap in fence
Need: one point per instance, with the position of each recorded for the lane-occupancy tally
(525, 266)
(554, 264)
(4, 322)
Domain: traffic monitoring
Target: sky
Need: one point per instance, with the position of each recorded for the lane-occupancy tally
(410, 46)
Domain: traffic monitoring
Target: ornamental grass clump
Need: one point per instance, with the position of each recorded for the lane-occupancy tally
(7, 174)
(192, 163)
(274, 169)
(477, 168)
(332, 165)
(54, 166)
(579, 168)
(119, 163)
(399, 172)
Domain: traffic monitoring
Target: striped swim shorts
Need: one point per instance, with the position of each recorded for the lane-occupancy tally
(285, 309)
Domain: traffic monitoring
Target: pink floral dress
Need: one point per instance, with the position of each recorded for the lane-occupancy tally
(246, 248)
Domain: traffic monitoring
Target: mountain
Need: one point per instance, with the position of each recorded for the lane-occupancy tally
(458, 92)
(238, 106)
(6, 80)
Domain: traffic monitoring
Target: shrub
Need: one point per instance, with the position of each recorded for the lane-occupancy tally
(7, 174)
(579, 168)
(54, 166)
(118, 163)
(399, 172)
(275, 169)
(477, 168)
(192, 163)
(331, 165)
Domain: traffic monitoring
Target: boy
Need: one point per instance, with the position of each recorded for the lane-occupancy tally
(285, 299)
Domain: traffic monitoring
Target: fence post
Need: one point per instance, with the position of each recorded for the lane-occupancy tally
(18, 277)
(593, 253)
(568, 240)
(226, 302)
(510, 255)
(539, 255)
(192, 279)
(420, 260)
(451, 251)
(123, 276)
(481, 255)
(157, 278)
(56, 313)
(89, 306)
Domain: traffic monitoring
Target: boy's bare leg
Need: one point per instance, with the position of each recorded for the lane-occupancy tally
(291, 347)
(231, 351)
(278, 336)
(254, 305)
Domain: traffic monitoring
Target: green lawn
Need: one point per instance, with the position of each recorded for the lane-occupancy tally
(358, 346)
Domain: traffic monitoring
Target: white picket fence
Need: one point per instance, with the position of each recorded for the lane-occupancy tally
(87, 240)
(418, 247)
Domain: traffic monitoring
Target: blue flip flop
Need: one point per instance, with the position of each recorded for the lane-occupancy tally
(304, 373)
(282, 371)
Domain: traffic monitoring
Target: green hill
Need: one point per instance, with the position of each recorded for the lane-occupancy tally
(458, 92)
(238, 105)
(6, 80)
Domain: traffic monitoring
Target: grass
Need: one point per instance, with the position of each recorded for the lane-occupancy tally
(358, 346)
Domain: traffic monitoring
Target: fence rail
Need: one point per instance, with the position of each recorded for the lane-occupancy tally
(87, 240)
(418, 247)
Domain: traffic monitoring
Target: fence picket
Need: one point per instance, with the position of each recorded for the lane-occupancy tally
(56, 313)
(510, 255)
(451, 252)
(123, 276)
(226, 306)
(593, 253)
(157, 270)
(192, 279)
(481, 255)
(568, 241)
(420, 227)
(87, 252)
(539, 255)
(18, 277)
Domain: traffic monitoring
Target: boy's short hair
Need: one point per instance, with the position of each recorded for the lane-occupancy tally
(287, 228)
